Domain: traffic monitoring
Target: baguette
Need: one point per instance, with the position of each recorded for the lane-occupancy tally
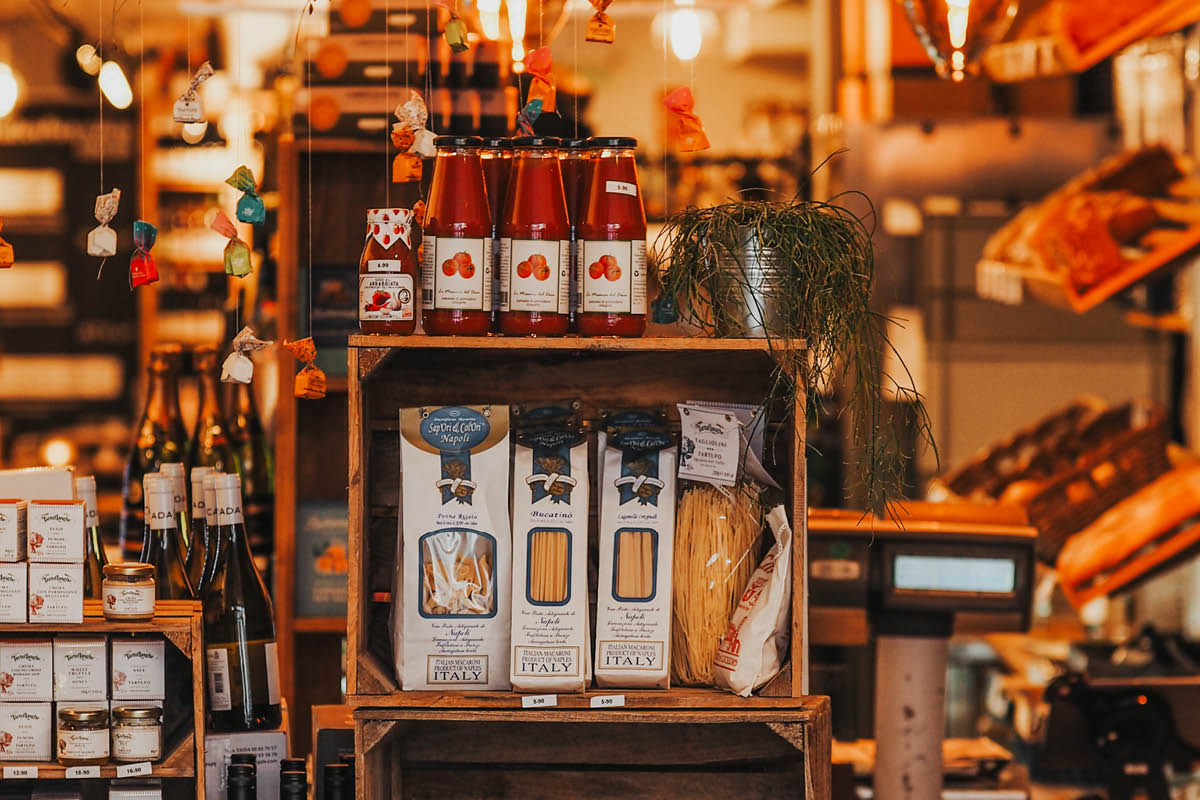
(1130, 525)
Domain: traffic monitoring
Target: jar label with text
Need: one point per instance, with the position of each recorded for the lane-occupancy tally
(83, 744)
(612, 277)
(137, 742)
(535, 275)
(386, 294)
(124, 600)
(456, 273)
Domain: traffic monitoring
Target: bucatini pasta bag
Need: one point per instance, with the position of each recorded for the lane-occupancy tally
(755, 644)
(455, 562)
(637, 525)
(550, 530)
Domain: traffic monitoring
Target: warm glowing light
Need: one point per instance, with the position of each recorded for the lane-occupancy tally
(115, 85)
(957, 76)
(958, 12)
(516, 27)
(8, 89)
(686, 36)
(958, 60)
(88, 59)
(193, 132)
(58, 452)
(489, 18)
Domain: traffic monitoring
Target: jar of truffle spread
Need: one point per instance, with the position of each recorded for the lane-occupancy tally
(136, 734)
(82, 736)
(129, 591)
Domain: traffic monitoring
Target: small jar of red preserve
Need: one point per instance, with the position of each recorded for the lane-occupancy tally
(456, 265)
(387, 273)
(535, 244)
(612, 244)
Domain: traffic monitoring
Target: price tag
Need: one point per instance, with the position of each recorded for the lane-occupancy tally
(134, 770)
(20, 772)
(608, 701)
(83, 772)
(539, 701)
(621, 187)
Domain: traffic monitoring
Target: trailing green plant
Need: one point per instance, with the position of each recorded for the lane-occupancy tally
(821, 266)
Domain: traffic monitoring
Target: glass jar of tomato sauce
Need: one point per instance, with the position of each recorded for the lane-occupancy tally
(573, 157)
(387, 273)
(496, 154)
(612, 244)
(535, 244)
(456, 265)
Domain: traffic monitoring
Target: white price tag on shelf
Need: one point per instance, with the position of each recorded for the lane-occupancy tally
(134, 770)
(608, 701)
(83, 772)
(20, 772)
(539, 701)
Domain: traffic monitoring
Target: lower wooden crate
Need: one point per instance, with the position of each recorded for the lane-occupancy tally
(776, 748)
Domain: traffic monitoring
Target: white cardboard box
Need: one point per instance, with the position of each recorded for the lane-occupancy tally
(25, 731)
(138, 669)
(80, 669)
(27, 670)
(268, 747)
(56, 593)
(13, 515)
(42, 483)
(134, 790)
(14, 592)
(55, 531)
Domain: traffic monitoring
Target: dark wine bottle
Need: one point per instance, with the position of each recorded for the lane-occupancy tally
(293, 785)
(239, 627)
(170, 576)
(210, 445)
(339, 782)
(159, 437)
(241, 782)
(94, 561)
(256, 469)
(198, 543)
(211, 526)
(177, 474)
(245, 758)
(292, 765)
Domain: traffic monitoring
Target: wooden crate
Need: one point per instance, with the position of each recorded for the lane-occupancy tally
(180, 623)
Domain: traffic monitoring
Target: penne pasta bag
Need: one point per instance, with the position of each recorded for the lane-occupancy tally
(550, 532)
(637, 524)
(455, 565)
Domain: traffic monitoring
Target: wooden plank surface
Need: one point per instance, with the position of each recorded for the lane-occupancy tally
(171, 616)
(483, 783)
(588, 343)
(636, 701)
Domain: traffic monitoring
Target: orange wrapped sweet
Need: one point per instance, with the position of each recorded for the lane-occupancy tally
(600, 28)
(310, 381)
(688, 126)
(305, 350)
(538, 64)
(6, 251)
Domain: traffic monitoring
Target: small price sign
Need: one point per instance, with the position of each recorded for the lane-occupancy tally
(74, 773)
(135, 770)
(608, 701)
(539, 701)
(20, 772)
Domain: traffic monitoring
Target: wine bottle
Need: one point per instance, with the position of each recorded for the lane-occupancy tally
(198, 543)
(245, 758)
(210, 445)
(338, 782)
(211, 526)
(170, 577)
(256, 469)
(293, 785)
(241, 782)
(292, 765)
(177, 474)
(93, 566)
(239, 627)
(159, 437)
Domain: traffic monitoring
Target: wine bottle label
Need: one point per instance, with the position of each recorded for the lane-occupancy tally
(160, 510)
(612, 277)
(229, 507)
(228, 677)
(535, 275)
(219, 695)
(456, 273)
(386, 296)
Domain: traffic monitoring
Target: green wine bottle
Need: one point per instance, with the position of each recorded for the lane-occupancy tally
(94, 561)
(199, 538)
(211, 525)
(177, 474)
(210, 445)
(170, 576)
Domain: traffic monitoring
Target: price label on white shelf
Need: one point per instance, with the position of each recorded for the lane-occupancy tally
(608, 701)
(539, 701)
(135, 770)
(20, 772)
(82, 772)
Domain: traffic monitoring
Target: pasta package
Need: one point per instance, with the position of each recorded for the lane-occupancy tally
(637, 524)
(454, 562)
(550, 537)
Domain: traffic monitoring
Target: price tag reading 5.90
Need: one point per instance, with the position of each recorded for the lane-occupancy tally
(608, 701)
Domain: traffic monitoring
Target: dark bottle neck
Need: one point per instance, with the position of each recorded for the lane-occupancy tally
(162, 401)
(210, 398)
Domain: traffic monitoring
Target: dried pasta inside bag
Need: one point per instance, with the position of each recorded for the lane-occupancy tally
(459, 576)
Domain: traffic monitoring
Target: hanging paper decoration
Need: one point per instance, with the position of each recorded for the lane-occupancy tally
(688, 126)
(600, 27)
(238, 368)
(250, 207)
(237, 253)
(142, 269)
(310, 381)
(188, 107)
(6, 251)
(411, 138)
(456, 34)
(538, 64)
(529, 115)
(102, 240)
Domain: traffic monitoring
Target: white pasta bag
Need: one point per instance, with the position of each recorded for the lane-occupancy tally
(755, 645)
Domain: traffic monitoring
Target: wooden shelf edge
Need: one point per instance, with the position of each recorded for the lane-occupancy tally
(170, 616)
(179, 763)
(569, 343)
(378, 706)
(319, 625)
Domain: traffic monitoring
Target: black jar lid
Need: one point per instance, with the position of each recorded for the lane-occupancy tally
(613, 142)
(537, 141)
(458, 141)
(498, 143)
(575, 143)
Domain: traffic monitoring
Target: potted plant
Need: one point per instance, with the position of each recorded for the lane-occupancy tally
(799, 271)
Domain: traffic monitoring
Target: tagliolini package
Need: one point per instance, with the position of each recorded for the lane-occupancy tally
(550, 528)
(455, 569)
(637, 531)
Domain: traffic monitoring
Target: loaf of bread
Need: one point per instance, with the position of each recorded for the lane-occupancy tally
(1130, 525)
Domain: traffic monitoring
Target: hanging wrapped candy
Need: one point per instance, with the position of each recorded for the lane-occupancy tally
(538, 65)
(188, 107)
(411, 138)
(310, 381)
(600, 28)
(529, 115)
(142, 269)
(688, 127)
(456, 34)
(6, 251)
(250, 207)
(237, 367)
(237, 252)
(102, 240)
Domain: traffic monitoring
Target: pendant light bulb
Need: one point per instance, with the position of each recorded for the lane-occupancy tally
(115, 85)
(516, 28)
(88, 59)
(489, 18)
(686, 35)
(193, 132)
(9, 90)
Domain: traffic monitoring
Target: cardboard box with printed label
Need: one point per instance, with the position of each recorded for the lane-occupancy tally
(14, 592)
(138, 669)
(13, 521)
(56, 593)
(55, 531)
(25, 731)
(80, 667)
(268, 747)
(26, 670)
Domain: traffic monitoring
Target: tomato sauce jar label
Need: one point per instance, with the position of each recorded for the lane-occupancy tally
(612, 277)
(457, 273)
(535, 275)
(385, 293)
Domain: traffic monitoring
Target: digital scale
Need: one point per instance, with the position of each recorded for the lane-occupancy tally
(909, 583)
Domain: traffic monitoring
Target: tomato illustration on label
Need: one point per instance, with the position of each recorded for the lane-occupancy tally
(524, 270)
(612, 270)
(449, 267)
(541, 270)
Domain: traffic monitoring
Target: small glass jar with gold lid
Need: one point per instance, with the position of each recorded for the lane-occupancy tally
(129, 591)
(83, 736)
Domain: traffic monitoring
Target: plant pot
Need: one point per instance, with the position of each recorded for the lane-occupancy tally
(745, 302)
